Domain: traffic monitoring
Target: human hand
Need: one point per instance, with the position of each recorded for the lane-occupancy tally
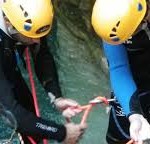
(147, 141)
(139, 128)
(68, 107)
(74, 133)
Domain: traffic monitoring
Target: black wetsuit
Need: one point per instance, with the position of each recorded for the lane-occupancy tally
(15, 95)
(138, 52)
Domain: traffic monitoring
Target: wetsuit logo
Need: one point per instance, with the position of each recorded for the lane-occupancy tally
(45, 127)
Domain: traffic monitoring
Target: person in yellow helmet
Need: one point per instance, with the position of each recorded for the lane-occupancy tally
(25, 23)
(124, 27)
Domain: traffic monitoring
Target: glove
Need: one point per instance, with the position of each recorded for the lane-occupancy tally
(68, 107)
(74, 133)
(139, 128)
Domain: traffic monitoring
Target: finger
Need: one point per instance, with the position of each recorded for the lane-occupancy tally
(82, 132)
(69, 102)
(130, 142)
(68, 120)
(73, 111)
(77, 110)
(69, 116)
(83, 126)
(68, 113)
(134, 143)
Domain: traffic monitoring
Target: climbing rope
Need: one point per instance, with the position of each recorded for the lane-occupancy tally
(29, 68)
(98, 100)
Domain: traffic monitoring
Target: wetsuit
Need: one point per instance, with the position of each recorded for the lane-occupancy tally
(129, 67)
(15, 95)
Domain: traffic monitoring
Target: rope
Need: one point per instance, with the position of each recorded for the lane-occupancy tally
(103, 99)
(87, 109)
(33, 90)
(32, 82)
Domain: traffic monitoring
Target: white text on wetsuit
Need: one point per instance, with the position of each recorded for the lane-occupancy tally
(45, 127)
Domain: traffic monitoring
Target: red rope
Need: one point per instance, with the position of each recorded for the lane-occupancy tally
(31, 140)
(86, 112)
(88, 108)
(33, 90)
(103, 99)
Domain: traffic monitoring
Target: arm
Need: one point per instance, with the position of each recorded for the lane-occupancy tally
(27, 122)
(46, 70)
(47, 74)
(121, 78)
(126, 91)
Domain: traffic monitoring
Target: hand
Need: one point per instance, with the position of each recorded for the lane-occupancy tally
(68, 107)
(74, 133)
(139, 128)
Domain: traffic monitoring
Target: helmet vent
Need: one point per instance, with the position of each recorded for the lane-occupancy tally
(113, 36)
(43, 29)
(21, 8)
(118, 23)
(25, 14)
(28, 21)
(140, 7)
(114, 29)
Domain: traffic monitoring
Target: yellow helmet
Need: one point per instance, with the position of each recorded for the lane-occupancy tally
(32, 18)
(116, 20)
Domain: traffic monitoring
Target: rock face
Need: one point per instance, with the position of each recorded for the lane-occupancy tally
(81, 65)
(77, 49)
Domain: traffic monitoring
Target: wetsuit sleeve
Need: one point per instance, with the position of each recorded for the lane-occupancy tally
(27, 122)
(121, 78)
(46, 69)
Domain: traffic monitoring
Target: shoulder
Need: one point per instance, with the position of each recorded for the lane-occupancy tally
(114, 49)
(107, 45)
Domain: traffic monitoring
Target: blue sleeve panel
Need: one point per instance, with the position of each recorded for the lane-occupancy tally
(121, 78)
